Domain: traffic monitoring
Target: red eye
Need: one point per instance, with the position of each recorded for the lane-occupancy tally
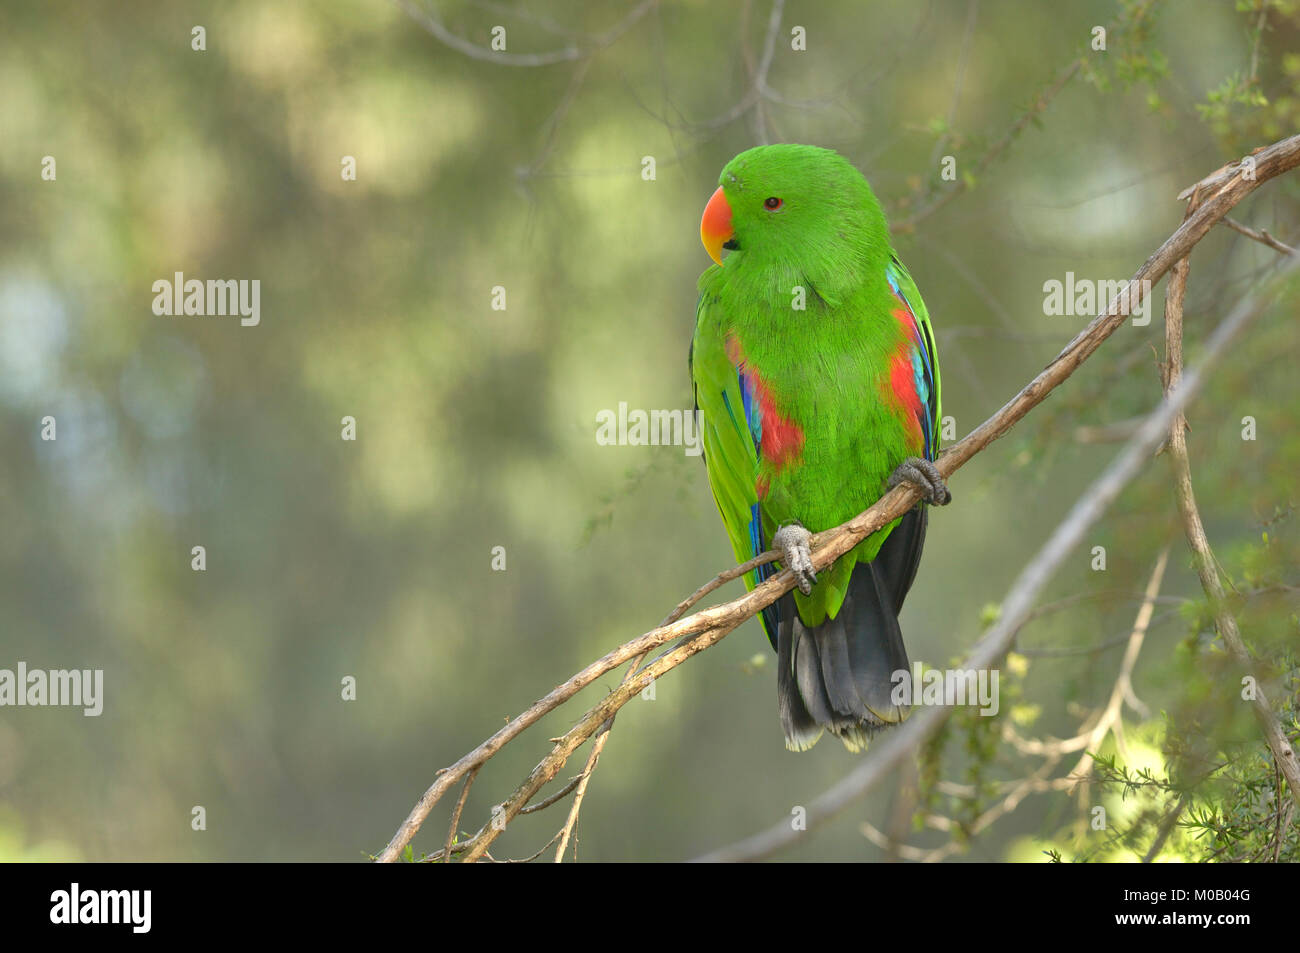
(772, 204)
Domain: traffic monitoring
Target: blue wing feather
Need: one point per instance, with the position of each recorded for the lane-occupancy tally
(923, 369)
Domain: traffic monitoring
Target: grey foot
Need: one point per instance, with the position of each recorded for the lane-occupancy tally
(794, 544)
(923, 475)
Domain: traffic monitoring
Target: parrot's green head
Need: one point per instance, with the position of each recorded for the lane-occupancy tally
(799, 207)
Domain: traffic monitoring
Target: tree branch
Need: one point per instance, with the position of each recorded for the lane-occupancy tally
(429, 19)
(1040, 103)
(1261, 236)
(1110, 718)
(1206, 567)
(707, 626)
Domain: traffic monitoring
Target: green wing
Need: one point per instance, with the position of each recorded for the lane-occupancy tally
(730, 447)
(901, 281)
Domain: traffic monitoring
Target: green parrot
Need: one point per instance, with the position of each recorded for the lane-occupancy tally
(817, 386)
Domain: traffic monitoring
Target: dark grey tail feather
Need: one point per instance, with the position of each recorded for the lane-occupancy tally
(838, 675)
(900, 554)
(801, 728)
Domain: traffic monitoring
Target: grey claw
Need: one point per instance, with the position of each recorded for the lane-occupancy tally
(923, 475)
(794, 543)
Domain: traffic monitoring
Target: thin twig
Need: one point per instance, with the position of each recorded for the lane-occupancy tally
(531, 857)
(1036, 783)
(455, 814)
(552, 124)
(1035, 108)
(429, 19)
(1098, 647)
(557, 796)
(596, 747)
(580, 783)
(721, 579)
(1254, 48)
(972, 15)
(1198, 541)
(1040, 103)
(1261, 236)
(1166, 828)
(758, 74)
(1109, 720)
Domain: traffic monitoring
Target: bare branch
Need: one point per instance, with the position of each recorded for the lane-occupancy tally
(429, 19)
(1035, 108)
(557, 796)
(1108, 720)
(972, 14)
(1261, 236)
(455, 814)
(1166, 828)
(1036, 783)
(1206, 565)
(593, 759)
(1116, 431)
(709, 625)
(1040, 103)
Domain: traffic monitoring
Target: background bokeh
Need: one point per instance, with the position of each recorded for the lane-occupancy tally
(476, 427)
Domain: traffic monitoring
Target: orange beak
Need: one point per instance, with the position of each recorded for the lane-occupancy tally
(715, 225)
